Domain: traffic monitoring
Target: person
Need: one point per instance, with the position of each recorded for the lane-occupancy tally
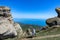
(33, 32)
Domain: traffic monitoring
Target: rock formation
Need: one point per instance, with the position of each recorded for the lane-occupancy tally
(8, 28)
(54, 21)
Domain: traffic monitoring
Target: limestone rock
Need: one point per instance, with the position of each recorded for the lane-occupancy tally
(8, 28)
(58, 11)
(5, 26)
(51, 21)
(54, 21)
(19, 30)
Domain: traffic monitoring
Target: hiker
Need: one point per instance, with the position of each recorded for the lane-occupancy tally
(33, 32)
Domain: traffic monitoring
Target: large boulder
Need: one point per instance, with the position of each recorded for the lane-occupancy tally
(8, 28)
(54, 21)
(51, 21)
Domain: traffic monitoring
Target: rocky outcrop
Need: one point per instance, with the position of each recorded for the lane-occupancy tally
(19, 30)
(8, 28)
(54, 21)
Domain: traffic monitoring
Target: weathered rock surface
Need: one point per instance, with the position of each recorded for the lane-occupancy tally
(54, 21)
(19, 30)
(8, 28)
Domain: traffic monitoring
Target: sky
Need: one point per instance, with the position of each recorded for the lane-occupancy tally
(35, 9)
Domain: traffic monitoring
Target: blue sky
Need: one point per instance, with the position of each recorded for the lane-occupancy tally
(35, 9)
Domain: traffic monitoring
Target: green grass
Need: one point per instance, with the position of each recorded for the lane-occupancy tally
(50, 31)
(53, 38)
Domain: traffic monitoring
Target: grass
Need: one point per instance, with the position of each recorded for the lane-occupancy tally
(53, 38)
(50, 31)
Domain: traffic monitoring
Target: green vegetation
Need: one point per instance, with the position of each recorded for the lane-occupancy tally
(53, 38)
(49, 31)
(26, 26)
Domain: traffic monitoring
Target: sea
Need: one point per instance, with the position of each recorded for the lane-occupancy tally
(39, 22)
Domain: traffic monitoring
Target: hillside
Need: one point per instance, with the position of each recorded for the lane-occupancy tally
(50, 34)
(49, 31)
(42, 33)
(26, 26)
